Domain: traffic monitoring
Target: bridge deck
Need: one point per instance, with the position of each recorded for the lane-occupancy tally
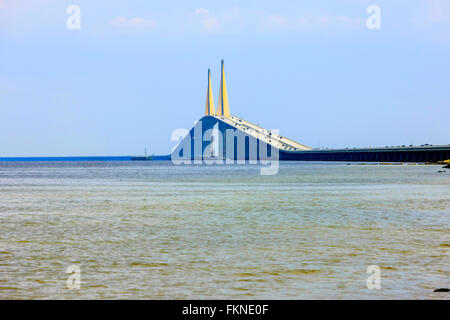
(392, 154)
(265, 135)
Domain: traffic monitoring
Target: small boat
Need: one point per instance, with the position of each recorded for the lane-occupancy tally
(142, 158)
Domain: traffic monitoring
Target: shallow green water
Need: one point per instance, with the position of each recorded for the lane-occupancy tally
(159, 231)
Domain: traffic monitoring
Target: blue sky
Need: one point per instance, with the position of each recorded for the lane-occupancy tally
(137, 70)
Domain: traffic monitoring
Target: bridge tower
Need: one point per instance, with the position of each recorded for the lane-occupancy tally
(223, 108)
(209, 109)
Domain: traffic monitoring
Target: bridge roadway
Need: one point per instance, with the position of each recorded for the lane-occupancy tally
(294, 151)
(262, 134)
(387, 154)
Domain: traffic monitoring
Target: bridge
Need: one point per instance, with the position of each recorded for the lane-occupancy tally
(220, 135)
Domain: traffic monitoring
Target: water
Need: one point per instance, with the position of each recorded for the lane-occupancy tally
(158, 231)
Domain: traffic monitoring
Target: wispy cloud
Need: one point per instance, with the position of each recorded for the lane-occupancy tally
(237, 20)
(349, 20)
(439, 10)
(209, 21)
(201, 11)
(429, 18)
(133, 23)
(277, 20)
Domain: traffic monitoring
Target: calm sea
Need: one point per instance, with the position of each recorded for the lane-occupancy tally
(159, 231)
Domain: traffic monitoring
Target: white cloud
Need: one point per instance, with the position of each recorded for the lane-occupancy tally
(277, 20)
(345, 19)
(208, 21)
(201, 11)
(323, 20)
(48, 16)
(235, 20)
(301, 21)
(211, 23)
(438, 10)
(133, 23)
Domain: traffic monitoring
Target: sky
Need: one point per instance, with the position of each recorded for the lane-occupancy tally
(137, 70)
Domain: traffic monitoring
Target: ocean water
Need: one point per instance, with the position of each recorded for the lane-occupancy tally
(153, 230)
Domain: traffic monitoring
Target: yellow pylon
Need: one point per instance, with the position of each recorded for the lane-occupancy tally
(223, 108)
(209, 110)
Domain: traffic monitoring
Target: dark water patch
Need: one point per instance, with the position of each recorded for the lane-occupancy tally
(8, 288)
(301, 271)
(149, 265)
(389, 268)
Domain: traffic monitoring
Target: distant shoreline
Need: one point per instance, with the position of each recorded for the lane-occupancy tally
(79, 158)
